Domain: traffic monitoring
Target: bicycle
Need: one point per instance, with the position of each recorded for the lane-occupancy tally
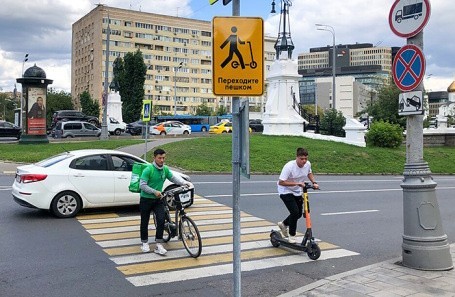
(182, 226)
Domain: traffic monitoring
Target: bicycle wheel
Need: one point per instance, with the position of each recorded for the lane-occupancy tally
(190, 236)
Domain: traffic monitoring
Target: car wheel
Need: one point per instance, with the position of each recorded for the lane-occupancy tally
(163, 133)
(117, 132)
(224, 131)
(204, 129)
(186, 132)
(66, 204)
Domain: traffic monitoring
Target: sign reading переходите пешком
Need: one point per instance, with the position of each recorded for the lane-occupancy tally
(238, 55)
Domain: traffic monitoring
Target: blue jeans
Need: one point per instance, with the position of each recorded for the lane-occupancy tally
(295, 206)
(147, 205)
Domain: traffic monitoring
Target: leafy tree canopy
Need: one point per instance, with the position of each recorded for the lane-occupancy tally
(89, 106)
(204, 110)
(57, 100)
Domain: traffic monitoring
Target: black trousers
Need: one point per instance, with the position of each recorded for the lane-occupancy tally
(147, 205)
(295, 206)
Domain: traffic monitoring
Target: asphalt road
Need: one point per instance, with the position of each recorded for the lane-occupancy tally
(44, 256)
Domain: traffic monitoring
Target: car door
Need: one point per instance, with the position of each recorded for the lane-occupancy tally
(122, 167)
(92, 178)
(90, 130)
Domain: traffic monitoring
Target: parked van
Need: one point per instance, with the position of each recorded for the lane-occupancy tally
(75, 129)
(115, 127)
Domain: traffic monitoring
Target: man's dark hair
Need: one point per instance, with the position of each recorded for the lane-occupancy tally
(301, 152)
(158, 152)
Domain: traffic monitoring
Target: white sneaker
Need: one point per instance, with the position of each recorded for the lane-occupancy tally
(291, 239)
(145, 247)
(284, 229)
(159, 249)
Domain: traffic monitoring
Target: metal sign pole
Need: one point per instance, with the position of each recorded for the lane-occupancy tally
(236, 180)
(425, 244)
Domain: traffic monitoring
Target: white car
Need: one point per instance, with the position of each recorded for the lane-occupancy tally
(66, 183)
(115, 127)
(170, 127)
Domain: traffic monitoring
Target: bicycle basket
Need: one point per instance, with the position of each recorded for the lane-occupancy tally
(183, 197)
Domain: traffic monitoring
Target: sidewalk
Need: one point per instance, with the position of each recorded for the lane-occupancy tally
(386, 279)
(9, 168)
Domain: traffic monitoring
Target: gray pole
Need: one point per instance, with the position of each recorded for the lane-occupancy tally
(334, 67)
(104, 132)
(236, 181)
(425, 244)
(21, 124)
(175, 87)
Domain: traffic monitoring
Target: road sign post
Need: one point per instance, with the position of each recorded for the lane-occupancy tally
(425, 245)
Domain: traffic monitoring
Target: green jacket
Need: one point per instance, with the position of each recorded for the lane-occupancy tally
(155, 179)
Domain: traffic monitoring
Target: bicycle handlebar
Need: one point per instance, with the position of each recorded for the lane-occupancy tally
(310, 186)
(170, 192)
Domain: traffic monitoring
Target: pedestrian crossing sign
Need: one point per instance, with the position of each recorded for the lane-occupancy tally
(238, 55)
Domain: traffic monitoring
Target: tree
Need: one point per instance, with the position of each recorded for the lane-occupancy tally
(203, 109)
(131, 79)
(332, 123)
(386, 107)
(89, 106)
(221, 110)
(57, 100)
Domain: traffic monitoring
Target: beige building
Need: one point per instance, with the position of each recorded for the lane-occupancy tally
(166, 43)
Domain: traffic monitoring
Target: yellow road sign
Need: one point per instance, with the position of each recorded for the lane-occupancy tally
(146, 110)
(238, 56)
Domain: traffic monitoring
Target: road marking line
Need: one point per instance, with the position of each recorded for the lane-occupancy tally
(152, 227)
(96, 216)
(195, 273)
(348, 212)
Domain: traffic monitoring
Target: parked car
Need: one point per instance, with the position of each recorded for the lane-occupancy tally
(66, 183)
(256, 126)
(221, 127)
(115, 127)
(135, 128)
(170, 127)
(8, 129)
(73, 115)
(75, 129)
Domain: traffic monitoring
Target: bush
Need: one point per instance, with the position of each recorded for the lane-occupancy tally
(384, 134)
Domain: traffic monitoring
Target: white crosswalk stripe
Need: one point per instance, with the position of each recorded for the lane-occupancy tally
(119, 237)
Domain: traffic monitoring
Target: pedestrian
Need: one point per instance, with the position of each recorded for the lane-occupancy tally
(290, 184)
(151, 184)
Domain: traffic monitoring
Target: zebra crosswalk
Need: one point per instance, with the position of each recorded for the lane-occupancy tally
(120, 239)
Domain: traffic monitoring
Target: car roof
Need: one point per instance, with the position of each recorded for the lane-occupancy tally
(84, 152)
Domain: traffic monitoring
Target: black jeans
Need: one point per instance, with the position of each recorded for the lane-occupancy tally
(147, 205)
(295, 206)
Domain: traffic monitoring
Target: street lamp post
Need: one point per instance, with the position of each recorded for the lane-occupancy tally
(175, 87)
(22, 92)
(331, 30)
(104, 132)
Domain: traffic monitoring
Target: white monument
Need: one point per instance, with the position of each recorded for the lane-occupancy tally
(281, 116)
(114, 105)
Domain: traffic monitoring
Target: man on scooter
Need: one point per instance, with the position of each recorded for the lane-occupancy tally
(290, 184)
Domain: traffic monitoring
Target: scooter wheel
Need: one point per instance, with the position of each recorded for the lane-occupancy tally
(274, 236)
(315, 252)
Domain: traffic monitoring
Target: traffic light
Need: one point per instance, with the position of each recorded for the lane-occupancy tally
(226, 2)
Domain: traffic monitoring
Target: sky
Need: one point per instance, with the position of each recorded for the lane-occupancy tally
(42, 28)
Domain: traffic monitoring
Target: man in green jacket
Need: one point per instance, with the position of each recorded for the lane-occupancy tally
(151, 183)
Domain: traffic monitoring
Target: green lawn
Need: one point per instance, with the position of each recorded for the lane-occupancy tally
(268, 154)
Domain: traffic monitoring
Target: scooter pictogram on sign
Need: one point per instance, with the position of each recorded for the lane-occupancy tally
(234, 42)
(408, 67)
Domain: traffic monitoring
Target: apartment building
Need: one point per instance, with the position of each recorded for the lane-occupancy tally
(177, 52)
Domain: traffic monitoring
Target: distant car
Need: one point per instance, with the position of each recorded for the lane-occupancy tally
(170, 127)
(256, 126)
(73, 115)
(135, 128)
(66, 183)
(75, 129)
(115, 127)
(8, 129)
(221, 127)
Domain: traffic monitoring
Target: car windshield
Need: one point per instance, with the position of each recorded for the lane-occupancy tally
(53, 160)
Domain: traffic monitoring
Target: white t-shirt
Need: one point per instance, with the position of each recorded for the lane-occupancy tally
(293, 173)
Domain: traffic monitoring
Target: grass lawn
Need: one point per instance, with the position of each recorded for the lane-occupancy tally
(268, 154)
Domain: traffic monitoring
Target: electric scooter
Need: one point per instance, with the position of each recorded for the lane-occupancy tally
(308, 244)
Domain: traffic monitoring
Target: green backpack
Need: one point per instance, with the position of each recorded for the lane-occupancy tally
(136, 174)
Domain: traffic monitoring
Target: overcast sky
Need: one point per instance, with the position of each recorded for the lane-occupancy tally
(42, 28)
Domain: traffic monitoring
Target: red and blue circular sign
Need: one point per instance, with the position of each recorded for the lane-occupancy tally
(408, 67)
